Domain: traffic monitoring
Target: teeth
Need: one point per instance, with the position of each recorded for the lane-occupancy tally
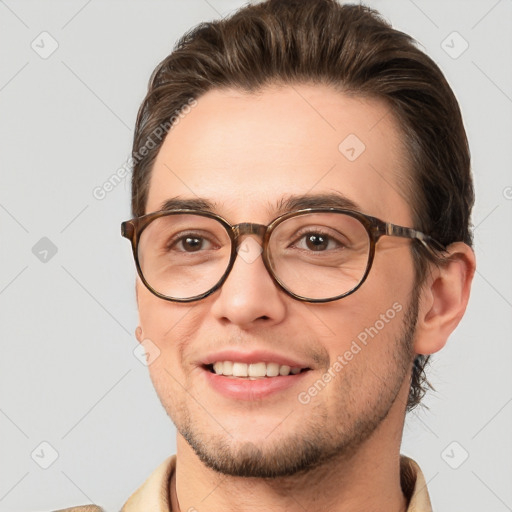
(257, 370)
(285, 370)
(272, 370)
(254, 370)
(227, 368)
(240, 370)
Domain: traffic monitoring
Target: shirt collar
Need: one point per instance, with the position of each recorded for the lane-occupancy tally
(153, 494)
(414, 486)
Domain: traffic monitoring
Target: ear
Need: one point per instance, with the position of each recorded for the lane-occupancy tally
(138, 334)
(443, 299)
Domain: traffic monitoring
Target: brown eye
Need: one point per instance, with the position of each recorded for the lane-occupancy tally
(192, 244)
(317, 242)
(189, 243)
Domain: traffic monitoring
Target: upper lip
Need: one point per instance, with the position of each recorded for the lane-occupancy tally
(253, 356)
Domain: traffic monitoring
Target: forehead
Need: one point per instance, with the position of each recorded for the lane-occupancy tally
(246, 153)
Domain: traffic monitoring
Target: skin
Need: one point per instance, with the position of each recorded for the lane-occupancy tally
(245, 152)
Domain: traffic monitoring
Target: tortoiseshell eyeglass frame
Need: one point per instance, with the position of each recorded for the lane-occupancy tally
(376, 228)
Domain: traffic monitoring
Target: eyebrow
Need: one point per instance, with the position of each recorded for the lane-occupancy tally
(329, 200)
(284, 205)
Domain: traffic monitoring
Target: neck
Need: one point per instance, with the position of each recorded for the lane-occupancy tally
(368, 479)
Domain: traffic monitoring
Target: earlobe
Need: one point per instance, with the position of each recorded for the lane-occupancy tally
(444, 298)
(138, 334)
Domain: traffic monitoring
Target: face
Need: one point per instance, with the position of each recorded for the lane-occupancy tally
(246, 154)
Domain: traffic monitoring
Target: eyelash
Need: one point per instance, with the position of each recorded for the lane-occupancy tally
(181, 237)
(319, 232)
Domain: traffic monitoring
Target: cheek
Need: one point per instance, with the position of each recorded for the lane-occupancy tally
(169, 326)
(392, 275)
(365, 325)
(158, 317)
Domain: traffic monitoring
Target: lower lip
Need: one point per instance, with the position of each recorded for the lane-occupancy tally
(250, 390)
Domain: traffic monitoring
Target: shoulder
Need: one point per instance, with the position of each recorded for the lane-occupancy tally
(150, 496)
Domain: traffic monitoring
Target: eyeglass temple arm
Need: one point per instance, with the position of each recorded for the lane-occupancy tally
(127, 229)
(427, 241)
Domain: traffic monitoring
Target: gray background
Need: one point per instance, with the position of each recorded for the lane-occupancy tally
(68, 374)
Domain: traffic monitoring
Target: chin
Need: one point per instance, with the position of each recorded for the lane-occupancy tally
(282, 452)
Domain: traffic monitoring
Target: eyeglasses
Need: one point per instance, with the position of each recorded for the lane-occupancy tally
(313, 255)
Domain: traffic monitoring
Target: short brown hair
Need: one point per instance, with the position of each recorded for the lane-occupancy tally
(351, 48)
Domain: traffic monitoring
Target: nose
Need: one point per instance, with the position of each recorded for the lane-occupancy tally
(249, 295)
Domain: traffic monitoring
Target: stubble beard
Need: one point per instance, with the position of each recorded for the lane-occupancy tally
(313, 443)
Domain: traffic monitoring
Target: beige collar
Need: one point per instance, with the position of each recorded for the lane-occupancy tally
(153, 494)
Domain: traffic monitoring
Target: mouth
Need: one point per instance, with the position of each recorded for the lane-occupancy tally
(253, 375)
(253, 371)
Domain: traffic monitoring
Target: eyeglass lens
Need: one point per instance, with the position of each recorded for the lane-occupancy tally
(314, 255)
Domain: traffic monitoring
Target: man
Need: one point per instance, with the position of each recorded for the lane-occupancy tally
(301, 236)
